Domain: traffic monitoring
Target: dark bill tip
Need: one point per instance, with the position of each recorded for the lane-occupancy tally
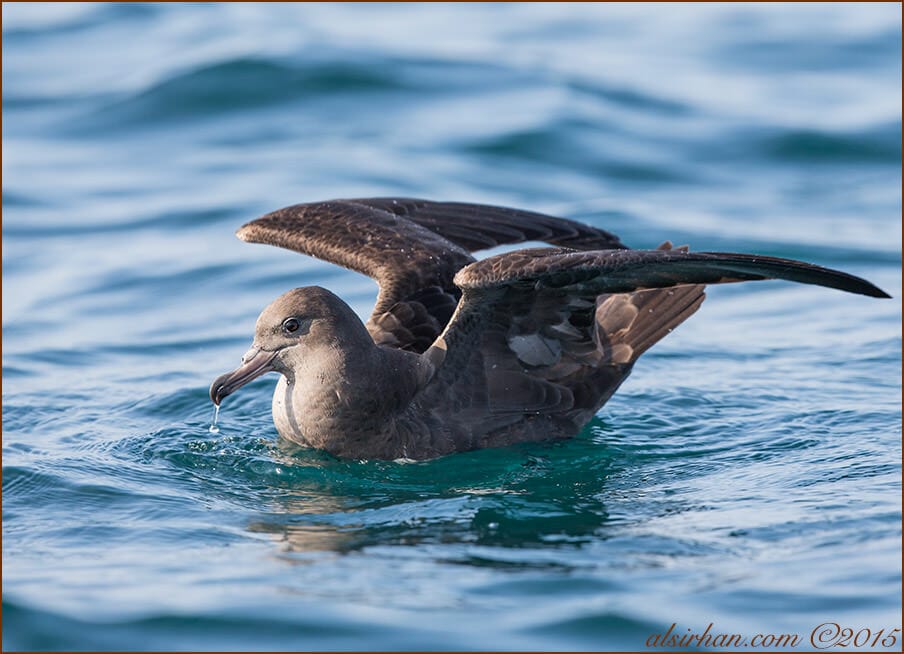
(218, 388)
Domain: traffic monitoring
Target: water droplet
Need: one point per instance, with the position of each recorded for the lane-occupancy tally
(216, 416)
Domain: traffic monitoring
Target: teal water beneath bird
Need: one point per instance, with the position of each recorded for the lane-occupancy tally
(746, 474)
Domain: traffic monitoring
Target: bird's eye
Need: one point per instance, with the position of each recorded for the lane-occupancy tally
(290, 325)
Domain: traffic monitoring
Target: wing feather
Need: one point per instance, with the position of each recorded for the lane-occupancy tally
(623, 271)
(479, 226)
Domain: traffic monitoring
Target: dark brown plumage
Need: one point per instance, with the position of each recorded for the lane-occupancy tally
(462, 354)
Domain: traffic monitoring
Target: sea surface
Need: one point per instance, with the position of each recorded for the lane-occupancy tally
(745, 480)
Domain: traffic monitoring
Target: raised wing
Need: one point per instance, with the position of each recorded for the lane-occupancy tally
(478, 226)
(620, 271)
(543, 337)
(413, 249)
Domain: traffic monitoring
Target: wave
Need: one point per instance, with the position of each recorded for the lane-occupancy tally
(880, 145)
(242, 84)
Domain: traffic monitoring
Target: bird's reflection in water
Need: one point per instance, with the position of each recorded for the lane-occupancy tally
(300, 538)
(526, 497)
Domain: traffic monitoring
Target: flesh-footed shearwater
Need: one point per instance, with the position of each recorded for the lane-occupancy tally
(461, 354)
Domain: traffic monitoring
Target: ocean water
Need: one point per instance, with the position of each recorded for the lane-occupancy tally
(746, 479)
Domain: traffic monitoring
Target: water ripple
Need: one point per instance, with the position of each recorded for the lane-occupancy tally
(241, 85)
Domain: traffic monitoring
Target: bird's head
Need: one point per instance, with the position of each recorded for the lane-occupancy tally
(299, 325)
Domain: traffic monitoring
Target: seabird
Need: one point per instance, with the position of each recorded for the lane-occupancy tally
(461, 354)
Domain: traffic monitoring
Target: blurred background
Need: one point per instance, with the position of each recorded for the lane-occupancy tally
(748, 474)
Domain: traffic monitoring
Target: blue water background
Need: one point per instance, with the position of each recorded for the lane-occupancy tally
(747, 475)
